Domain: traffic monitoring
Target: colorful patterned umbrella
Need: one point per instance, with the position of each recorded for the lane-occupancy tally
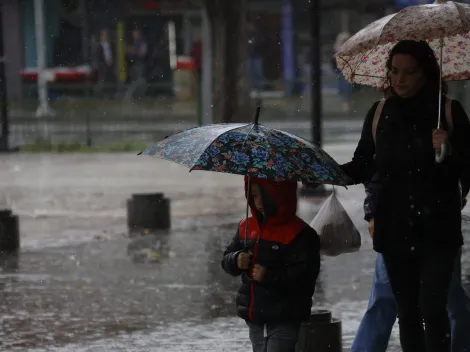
(444, 24)
(250, 149)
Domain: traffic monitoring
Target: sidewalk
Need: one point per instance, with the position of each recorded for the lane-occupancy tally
(168, 109)
(76, 289)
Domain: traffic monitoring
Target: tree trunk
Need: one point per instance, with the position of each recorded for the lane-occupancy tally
(231, 89)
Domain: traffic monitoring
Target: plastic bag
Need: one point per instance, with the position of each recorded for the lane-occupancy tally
(335, 228)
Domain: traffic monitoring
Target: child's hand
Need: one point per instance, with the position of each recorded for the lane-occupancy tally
(243, 261)
(258, 272)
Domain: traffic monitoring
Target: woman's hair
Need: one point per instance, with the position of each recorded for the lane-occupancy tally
(426, 59)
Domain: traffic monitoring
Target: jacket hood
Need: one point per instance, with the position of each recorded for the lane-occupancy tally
(279, 199)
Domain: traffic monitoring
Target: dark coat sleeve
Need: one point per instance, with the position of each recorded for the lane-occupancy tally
(369, 206)
(362, 167)
(302, 264)
(460, 145)
(370, 202)
(229, 261)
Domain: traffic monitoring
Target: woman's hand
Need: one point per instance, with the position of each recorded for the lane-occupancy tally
(439, 137)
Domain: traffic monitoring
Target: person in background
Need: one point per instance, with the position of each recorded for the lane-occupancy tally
(277, 256)
(196, 56)
(344, 87)
(136, 54)
(106, 65)
(158, 64)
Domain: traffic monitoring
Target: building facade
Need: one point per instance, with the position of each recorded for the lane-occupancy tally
(72, 28)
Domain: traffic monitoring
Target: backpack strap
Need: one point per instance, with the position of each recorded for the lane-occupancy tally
(377, 114)
(448, 112)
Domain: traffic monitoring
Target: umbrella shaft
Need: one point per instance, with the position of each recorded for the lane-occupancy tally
(440, 84)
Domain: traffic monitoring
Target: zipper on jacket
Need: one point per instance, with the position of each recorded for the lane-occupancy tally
(252, 284)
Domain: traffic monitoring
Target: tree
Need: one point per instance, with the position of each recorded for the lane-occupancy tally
(231, 88)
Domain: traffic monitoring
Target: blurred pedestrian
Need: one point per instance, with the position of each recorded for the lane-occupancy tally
(344, 87)
(106, 66)
(158, 63)
(137, 53)
(277, 256)
(417, 220)
(196, 56)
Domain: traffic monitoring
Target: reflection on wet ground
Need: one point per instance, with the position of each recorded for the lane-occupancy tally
(95, 290)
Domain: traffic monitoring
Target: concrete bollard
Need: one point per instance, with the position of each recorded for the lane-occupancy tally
(321, 333)
(9, 232)
(148, 212)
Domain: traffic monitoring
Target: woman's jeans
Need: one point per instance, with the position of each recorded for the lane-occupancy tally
(376, 325)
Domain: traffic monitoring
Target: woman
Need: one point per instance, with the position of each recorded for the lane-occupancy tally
(417, 219)
(376, 325)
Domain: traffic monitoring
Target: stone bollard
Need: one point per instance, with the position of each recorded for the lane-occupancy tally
(148, 212)
(9, 232)
(321, 333)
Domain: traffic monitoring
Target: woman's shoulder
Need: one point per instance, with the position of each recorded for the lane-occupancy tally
(383, 102)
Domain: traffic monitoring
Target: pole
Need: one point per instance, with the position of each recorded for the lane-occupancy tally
(5, 131)
(85, 32)
(43, 108)
(206, 81)
(316, 108)
(121, 53)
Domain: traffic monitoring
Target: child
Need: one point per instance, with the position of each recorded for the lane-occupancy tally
(279, 263)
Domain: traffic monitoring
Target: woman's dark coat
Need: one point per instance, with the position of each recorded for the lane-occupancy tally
(418, 202)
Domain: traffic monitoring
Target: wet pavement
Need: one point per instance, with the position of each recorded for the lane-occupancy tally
(81, 284)
(109, 131)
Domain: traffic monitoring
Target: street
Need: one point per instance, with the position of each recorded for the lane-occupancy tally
(151, 131)
(81, 284)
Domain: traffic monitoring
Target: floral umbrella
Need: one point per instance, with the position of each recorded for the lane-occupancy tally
(250, 149)
(445, 25)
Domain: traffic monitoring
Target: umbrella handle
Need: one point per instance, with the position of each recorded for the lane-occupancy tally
(442, 155)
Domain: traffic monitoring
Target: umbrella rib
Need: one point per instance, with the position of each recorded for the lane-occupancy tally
(211, 143)
(375, 46)
(359, 64)
(246, 139)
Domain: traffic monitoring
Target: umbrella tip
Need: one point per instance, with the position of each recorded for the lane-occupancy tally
(258, 109)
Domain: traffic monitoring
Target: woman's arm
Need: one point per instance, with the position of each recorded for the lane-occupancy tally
(362, 166)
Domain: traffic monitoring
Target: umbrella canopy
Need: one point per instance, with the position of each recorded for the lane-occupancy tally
(250, 149)
(444, 24)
